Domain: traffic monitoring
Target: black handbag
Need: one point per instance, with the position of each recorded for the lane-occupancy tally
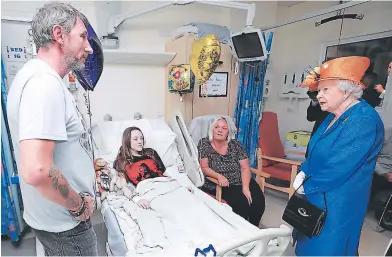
(305, 218)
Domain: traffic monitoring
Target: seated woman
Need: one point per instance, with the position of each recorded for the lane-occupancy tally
(225, 159)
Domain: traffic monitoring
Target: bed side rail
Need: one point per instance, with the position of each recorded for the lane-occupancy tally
(273, 241)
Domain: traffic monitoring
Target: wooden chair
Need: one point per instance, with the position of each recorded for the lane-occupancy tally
(218, 195)
(271, 156)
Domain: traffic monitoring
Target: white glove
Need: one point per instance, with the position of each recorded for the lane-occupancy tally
(298, 183)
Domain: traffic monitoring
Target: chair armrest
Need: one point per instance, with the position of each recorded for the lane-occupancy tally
(213, 180)
(218, 195)
(291, 162)
(294, 152)
(260, 173)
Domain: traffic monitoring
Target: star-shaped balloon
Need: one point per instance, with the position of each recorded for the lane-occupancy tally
(90, 75)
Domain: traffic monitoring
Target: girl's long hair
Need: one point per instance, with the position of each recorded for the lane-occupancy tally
(124, 155)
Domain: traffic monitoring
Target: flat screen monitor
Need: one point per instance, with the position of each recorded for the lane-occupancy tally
(249, 46)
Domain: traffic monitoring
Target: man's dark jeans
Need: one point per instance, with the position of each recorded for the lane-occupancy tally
(79, 241)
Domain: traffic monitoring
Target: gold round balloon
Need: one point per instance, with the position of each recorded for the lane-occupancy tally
(205, 55)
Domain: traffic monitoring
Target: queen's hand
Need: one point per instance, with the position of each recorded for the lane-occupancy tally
(298, 183)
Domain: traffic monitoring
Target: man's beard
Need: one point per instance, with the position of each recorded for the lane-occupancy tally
(72, 63)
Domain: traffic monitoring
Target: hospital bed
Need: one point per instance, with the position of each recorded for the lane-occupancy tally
(179, 154)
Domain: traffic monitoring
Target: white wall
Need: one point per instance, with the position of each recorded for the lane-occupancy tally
(298, 45)
(142, 88)
(126, 89)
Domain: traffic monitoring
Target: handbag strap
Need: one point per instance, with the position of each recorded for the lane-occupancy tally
(325, 198)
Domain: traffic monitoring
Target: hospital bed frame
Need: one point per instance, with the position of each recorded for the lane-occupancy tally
(280, 236)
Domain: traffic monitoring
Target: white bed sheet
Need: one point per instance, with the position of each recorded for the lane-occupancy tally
(159, 233)
(179, 221)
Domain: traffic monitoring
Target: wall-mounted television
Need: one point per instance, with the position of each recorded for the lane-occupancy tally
(248, 45)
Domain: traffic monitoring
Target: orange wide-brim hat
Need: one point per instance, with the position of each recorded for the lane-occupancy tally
(350, 68)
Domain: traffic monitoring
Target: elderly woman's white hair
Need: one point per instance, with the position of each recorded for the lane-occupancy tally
(350, 87)
(230, 124)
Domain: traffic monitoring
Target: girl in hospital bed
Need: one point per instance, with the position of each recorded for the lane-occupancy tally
(135, 161)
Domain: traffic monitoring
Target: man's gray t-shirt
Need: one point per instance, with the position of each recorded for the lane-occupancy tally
(39, 106)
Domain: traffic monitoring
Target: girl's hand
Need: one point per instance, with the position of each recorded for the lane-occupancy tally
(142, 203)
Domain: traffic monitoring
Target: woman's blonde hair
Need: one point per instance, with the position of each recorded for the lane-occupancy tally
(231, 134)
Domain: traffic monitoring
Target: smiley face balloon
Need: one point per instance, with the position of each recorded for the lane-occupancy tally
(205, 55)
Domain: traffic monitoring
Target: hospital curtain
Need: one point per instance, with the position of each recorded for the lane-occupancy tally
(248, 111)
(12, 223)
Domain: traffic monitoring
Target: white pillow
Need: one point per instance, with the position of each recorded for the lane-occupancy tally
(108, 135)
(157, 134)
(163, 141)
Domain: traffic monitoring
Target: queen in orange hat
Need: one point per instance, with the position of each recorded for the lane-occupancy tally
(341, 157)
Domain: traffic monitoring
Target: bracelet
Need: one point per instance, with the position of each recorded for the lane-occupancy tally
(133, 195)
(82, 208)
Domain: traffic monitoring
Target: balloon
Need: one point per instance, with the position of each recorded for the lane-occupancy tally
(181, 82)
(90, 75)
(204, 58)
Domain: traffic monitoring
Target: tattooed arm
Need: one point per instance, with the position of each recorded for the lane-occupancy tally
(37, 170)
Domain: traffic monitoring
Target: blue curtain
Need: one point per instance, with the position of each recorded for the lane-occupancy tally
(249, 101)
(11, 202)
